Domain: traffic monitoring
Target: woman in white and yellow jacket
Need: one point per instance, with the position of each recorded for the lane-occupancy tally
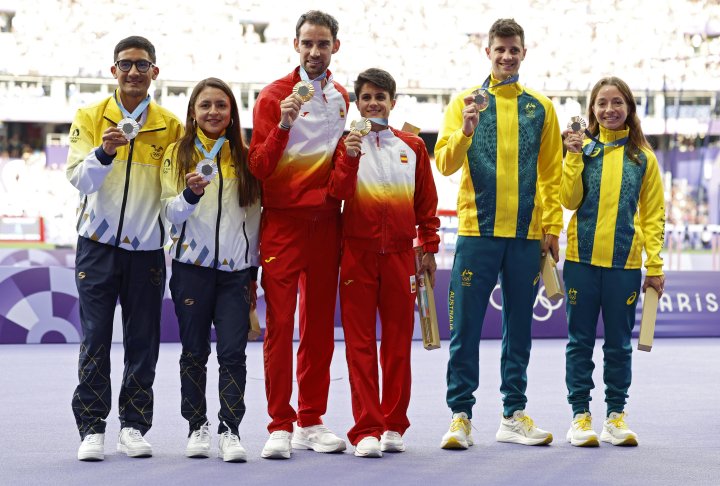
(212, 203)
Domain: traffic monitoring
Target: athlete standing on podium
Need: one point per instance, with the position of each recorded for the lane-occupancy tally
(294, 151)
(116, 149)
(509, 212)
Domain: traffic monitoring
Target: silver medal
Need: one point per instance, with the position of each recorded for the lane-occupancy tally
(129, 128)
(207, 168)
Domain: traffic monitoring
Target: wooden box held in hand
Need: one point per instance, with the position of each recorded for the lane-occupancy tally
(426, 307)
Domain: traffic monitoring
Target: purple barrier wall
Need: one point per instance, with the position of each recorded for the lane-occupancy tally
(38, 304)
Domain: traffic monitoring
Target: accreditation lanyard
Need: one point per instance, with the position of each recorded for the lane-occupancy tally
(589, 148)
(216, 148)
(137, 112)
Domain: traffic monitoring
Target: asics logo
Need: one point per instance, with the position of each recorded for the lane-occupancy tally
(269, 259)
(631, 299)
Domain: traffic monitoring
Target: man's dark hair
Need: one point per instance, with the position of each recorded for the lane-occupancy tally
(316, 17)
(506, 28)
(135, 42)
(380, 78)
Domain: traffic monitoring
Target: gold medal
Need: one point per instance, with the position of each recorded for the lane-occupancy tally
(207, 168)
(482, 100)
(362, 126)
(304, 90)
(129, 128)
(577, 124)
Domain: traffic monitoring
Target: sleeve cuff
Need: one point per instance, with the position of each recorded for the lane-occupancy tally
(431, 247)
(655, 271)
(105, 159)
(554, 230)
(190, 196)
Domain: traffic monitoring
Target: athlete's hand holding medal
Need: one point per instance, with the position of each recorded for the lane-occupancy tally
(575, 134)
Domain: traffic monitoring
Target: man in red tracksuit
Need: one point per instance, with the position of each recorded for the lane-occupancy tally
(295, 153)
(394, 202)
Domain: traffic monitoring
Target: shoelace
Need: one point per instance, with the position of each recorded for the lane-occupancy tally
(135, 435)
(389, 435)
(203, 433)
(619, 421)
(526, 422)
(584, 423)
(459, 424)
(321, 429)
(231, 438)
(280, 434)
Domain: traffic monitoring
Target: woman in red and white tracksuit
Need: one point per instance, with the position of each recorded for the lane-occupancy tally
(395, 201)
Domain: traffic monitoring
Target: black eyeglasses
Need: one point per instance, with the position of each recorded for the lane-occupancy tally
(126, 65)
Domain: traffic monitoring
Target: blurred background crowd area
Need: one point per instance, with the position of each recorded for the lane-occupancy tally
(56, 57)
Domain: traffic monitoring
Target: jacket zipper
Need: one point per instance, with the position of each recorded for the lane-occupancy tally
(218, 158)
(118, 237)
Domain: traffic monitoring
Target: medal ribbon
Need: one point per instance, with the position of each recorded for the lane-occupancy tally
(216, 148)
(594, 141)
(510, 80)
(379, 121)
(138, 111)
(304, 75)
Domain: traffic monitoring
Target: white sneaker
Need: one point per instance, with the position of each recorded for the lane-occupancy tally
(92, 448)
(391, 441)
(318, 438)
(199, 442)
(616, 431)
(230, 448)
(132, 443)
(581, 433)
(459, 435)
(278, 445)
(368, 447)
(520, 429)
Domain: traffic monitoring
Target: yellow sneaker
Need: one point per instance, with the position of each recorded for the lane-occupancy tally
(616, 431)
(459, 435)
(581, 433)
(520, 429)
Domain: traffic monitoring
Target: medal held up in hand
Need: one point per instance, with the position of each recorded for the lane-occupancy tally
(577, 124)
(481, 98)
(129, 128)
(362, 126)
(129, 125)
(305, 90)
(207, 168)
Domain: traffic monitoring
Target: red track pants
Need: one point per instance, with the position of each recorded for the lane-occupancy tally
(299, 251)
(369, 282)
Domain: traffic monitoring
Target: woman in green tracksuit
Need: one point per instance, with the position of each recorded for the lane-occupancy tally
(612, 180)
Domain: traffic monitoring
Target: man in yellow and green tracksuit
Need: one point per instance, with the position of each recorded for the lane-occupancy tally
(509, 149)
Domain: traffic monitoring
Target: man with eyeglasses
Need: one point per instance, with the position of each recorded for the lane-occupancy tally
(116, 153)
